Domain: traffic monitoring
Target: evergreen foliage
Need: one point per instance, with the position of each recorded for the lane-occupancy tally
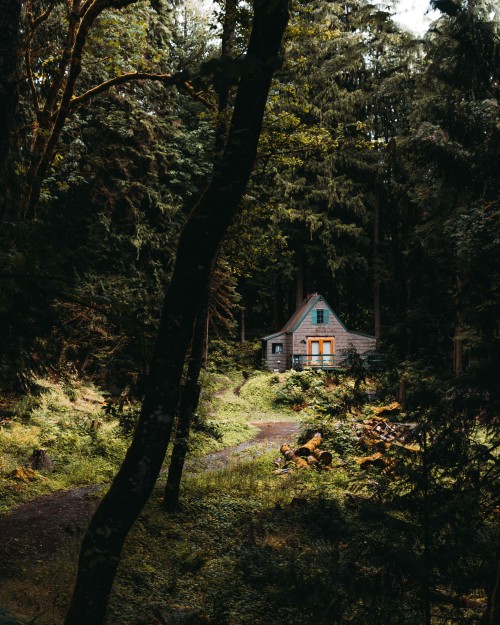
(376, 183)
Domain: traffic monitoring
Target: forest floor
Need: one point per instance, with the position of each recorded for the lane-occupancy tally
(250, 545)
(35, 529)
(38, 528)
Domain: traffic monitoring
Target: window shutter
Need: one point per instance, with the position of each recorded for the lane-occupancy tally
(314, 317)
(326, 315)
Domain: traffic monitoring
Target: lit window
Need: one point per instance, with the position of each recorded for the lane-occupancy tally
(277, 348)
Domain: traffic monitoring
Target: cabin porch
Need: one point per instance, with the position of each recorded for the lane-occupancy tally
(371, 360)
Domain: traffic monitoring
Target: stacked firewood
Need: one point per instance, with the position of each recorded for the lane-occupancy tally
(308, 455)
(379, 434)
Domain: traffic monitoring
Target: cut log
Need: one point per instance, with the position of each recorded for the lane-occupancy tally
(308, 448)
(312, 461)
(375, 460)
(323, 457)
(391, 409)
(291, 456)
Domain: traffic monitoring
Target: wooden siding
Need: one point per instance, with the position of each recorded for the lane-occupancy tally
(343, 338)
(296, 342)
(279, 362)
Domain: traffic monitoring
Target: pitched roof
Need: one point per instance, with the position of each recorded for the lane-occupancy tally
(297, 316)
(295, 320)
(300, 312)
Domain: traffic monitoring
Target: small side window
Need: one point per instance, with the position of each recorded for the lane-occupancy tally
(277, 348)
(320, 316)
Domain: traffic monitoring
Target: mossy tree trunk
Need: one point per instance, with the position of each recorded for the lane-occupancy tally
(198, 247)
(187, 407)
(190, 396)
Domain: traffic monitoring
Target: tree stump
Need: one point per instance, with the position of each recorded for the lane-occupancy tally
(40, 460)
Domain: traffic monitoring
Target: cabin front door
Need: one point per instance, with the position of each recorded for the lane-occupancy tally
(321, 351)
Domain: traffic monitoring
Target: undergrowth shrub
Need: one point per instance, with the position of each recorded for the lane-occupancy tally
(299, 387)
(225, 356)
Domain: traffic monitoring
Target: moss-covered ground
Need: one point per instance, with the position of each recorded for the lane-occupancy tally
(252, 546)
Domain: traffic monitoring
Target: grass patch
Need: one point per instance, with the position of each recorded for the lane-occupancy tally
(225, 417)
(85, 446)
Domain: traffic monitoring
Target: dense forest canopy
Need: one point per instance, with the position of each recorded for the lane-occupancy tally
(378, 152)
(175, 179)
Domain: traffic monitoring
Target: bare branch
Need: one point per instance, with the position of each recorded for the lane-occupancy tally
(31, 82)
(43, 17)
(177, 80)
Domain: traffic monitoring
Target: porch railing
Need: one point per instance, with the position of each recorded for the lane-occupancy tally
(371, 360)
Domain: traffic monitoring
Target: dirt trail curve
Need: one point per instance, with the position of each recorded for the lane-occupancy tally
(38, 528)
(272, 434)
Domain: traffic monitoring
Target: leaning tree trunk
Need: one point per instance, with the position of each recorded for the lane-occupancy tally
(198, 247)
(10, 14)
(376, 266)
(191, 391)
(190, 398)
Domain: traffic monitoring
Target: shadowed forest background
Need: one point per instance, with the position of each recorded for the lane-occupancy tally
(375, 183)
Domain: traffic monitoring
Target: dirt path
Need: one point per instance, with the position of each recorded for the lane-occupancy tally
(38, 528)
(271, 434)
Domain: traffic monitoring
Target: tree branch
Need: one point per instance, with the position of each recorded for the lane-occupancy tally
(43, 17)
(31, 82)
(78, 31)
(179, 80)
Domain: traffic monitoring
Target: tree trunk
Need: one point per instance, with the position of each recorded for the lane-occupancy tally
(227, 52)
(457, 339)
(242, 325)
(198, 247)
(10, 13)
(457, 352)
(188, 404)
(299, 280)
(376, 267)
(278, 304)
(494, 616)
(191, 392)
(426, 590)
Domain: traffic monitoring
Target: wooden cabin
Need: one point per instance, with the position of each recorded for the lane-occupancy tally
(314, 337)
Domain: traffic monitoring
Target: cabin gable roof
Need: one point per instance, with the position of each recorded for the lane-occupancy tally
(301, 313)
(298, 317)
(273, 336)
